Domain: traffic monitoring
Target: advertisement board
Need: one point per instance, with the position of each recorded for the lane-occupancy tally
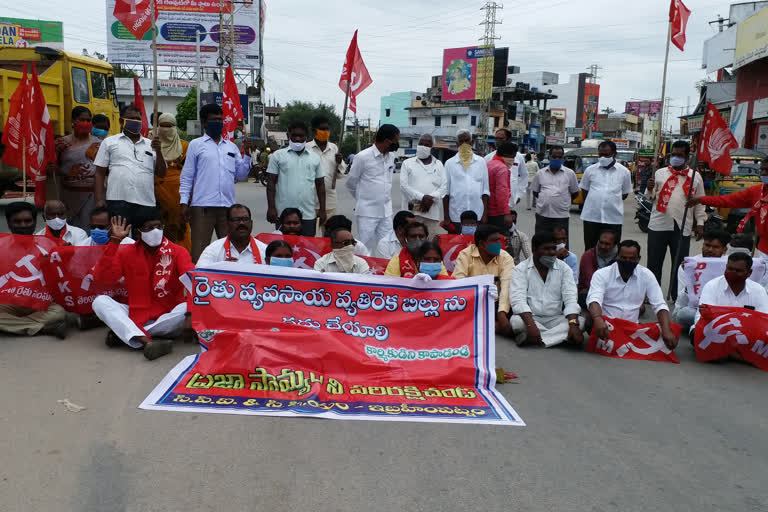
(738, 121)
(652, 108)
(21, 33)
(760, 108)
(178, 22)
(574, 131)
(467, 73)
(557, 113)
(751, 39)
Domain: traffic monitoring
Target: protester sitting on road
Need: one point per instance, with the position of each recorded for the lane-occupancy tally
(485, 257)
(468, 221)
(22, 321)
(618, 291)
(342, 256)
(391, 245)
(405, 264)
(279, 254)
(57, 228)
(561, 245)
(290, 222)
(430, 258)
(714, 246)
(600, 256)
(239, 245)
(340, 221)
(100, 226)
(518, 243)
(156, 303)
(543, 297)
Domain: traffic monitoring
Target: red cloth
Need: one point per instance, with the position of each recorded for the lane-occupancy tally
(669, 187)
(745, 199)
(407, 265)
(152, 279)
(498, 183)
(587, 268)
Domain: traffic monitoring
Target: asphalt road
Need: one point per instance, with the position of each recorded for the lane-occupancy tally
(602, 435)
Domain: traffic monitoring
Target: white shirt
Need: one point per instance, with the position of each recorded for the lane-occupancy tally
(557, 296)
(131, 169)
(518, 178)
(606, 187)
(328, 264)
(215, 253)
(329, 167)
(676, 205)
(370, 182)
(73, 235)
(466, 187)
(389, 246)
(620, 299)
(89, 242)
(554, 189)
(418, 179)
(718, 293)
(361, 249)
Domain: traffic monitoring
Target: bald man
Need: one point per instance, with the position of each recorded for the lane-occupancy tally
(56, 227)
(423, 185)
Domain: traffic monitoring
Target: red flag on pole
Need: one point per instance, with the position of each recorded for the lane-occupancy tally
(230, 104)
(138, 101)
(38, 133)
(717, 141)
(678, 17)
(136, 19)
(355, 73)
(14, 125)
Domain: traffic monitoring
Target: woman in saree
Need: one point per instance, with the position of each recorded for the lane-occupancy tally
(167, 188)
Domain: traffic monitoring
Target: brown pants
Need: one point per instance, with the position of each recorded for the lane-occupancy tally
(203, 220)
(28, 322)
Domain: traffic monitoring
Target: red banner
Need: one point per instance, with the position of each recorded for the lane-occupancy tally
(629, 340)
(724, 331)
(306, 249)
(300, 343)
(452, 245)
(377, 265)
(21, 277)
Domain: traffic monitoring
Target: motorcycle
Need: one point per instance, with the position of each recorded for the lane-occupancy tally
(643, 213)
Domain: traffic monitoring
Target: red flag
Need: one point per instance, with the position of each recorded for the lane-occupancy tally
(452, 245)
(138, 101)
(716, 142)
(355, 73)
(678, 17)
(306, 249)
(230, 103)
(629, 340)
(723, 331)
(38, 132)
(21, 277)
(377, 265)
(136, 19)
(12, 133)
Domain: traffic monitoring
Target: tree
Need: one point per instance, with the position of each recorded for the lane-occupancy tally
(120, 72)
(187, 110)
(608, 110)
(305, 111)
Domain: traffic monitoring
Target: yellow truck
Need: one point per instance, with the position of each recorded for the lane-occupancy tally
(67, 80)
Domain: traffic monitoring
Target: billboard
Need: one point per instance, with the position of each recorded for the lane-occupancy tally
(467, 73)
(177, 23)
(591, 104)
(500, 62)
(557, 113)
(751, 39)
(652, 108)
(22, 33)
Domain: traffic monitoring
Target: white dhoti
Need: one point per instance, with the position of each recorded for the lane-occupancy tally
(553, 329)
(115, 316)
(372, 229)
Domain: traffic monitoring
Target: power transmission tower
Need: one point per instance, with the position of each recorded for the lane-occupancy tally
(485, 76)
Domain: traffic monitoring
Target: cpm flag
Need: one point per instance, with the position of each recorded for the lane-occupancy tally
(354, 74)
(629, 340)
(716, 142)
(135, 15)
(230, 104)
(678, 19)
(724, 331)
(138, 102)
(452, 245)
(14, 125)
(38, 133)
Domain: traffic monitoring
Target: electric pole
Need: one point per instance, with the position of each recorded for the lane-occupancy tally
(485, 75)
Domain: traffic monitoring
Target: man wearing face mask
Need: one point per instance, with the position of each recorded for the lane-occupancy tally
(543, 298)
(518, 177)
(467, 178)
(331, 162)
(100, 226)
(342, 256)
(100, 128)
(133, 162)
(57, 228)
(423, 184)
(239, 246)
(618, 291)
(605, 186)
(405, 263)
(370, 182)
(486, 257)
(156, 303)
(518, 243)
(669, 188)
(207, 182)
(393, 243)
(468, 222)
(595, 258)
(554, 187)
(498, 183)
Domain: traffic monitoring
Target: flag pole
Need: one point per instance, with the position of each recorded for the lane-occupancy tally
(663, 92)
(343, 125)
(154, 67)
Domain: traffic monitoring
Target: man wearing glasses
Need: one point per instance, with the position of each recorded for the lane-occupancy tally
(239, 246)
(342, 256)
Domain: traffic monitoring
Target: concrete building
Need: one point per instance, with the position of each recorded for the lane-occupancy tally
(580, 99)
(624, 129)
(394, 108)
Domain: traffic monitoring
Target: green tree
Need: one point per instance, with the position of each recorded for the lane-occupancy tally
(305, 111)
(124, 73)
(187, 110)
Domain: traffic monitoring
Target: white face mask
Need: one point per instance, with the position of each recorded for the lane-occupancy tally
(56, 223)
(345, 258)
(423, 152)
(298, 147)
(606, 161)
(676, 161)
(152, 238)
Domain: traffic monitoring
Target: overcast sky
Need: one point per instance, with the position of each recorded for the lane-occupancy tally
(402, 43)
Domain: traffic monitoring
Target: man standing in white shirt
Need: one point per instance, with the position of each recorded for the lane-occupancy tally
(331, 162)
(618, 291)
(606, 185)
(533, 168)
(554, 188)
(518, 176)
(423, 184)
(239, 246)
(467, 179)
(370, 182)
(57, 228)
(669, 188)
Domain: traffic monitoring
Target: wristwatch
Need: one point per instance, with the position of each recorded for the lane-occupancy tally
(573, 321)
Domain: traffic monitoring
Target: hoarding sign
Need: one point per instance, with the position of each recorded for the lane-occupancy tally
(557, 113)
(621, 143)
(467, 73)
(574, 132)
(178, 22)
(751, 39)
(652, 108)
(760, 108)
(21, 33)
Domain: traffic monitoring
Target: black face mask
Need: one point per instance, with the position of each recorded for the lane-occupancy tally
(626, 268)
(214, 129)
(393, 146)
(24, 231)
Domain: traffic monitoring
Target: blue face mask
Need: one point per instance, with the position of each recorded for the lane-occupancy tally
(132, 126)
(555, 163)
(281, 262)
(100, 236)
(214, 129)
(468, 230)
(493, 248)
(98, 132)
(431, 269)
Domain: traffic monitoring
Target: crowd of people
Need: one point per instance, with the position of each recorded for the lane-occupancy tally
(164, 198)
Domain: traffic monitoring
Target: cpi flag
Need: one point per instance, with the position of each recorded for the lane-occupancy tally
(21, 270)
(306, 249)
(723, 331)
(354, 73)
(135, 15)
(678, 19)
(230, 105)
(14, 125)
(301, 343)
(629, 340)
(38, 134)
(717, 141)
(138, 101)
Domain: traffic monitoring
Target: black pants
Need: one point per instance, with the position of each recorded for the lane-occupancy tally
(592, 232)
(133, 213)
(550, 223)
(658, 242)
